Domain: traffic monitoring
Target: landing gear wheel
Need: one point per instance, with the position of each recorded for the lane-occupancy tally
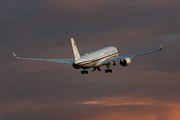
(86, 72)
(114, 64)
(108, 70)
(82, 72)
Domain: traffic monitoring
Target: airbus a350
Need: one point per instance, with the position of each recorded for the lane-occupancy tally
(96, 59)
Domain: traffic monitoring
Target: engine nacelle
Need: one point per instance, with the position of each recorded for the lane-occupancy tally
(125, 62)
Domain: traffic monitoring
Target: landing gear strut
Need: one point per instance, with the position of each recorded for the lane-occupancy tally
(114, 64)
(84, 72)
(108, 70)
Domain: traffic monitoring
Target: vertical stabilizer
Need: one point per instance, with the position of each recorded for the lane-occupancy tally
(75, 50)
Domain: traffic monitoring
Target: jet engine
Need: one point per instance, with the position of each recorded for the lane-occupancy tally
(125, 62)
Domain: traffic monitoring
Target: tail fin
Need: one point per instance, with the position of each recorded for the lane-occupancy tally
(75, 50)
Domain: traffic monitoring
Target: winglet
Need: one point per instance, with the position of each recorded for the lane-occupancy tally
(15, 55)
(160, 47)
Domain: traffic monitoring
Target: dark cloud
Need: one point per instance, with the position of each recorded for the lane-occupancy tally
(147, 89)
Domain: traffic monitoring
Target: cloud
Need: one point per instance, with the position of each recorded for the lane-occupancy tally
(170, 111)
(119, 101)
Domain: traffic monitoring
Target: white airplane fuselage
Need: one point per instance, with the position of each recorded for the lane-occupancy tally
(96, 58)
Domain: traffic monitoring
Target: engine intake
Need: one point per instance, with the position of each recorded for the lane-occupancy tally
(125, 62)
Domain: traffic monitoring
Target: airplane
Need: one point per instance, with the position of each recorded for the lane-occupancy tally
(96, 59)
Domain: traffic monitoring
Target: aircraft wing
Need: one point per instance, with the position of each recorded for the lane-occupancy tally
(131, 56)
(64, 61)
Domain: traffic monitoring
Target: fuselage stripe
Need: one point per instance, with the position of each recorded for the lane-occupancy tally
(99, 59)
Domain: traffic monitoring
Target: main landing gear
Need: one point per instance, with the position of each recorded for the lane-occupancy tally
(114, 64)
(108, 70)
(84, 72)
